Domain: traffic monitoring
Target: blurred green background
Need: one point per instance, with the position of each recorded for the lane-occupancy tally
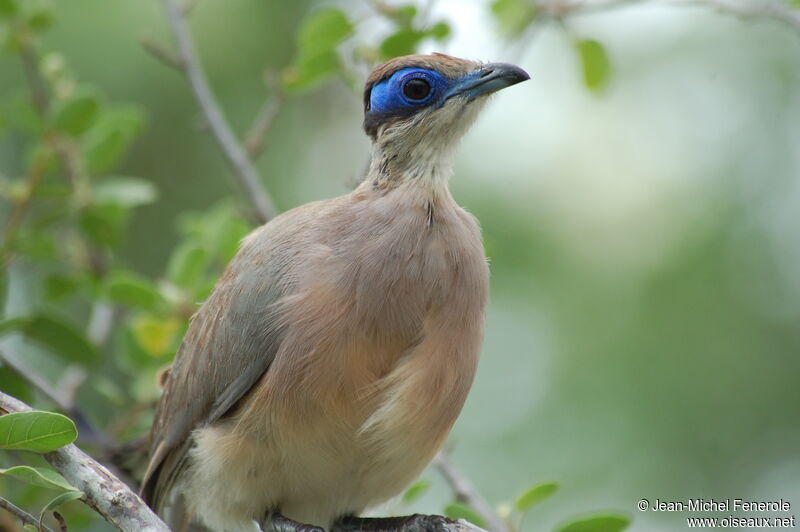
(643, 339)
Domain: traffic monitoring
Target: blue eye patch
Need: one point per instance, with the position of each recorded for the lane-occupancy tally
(408, 89)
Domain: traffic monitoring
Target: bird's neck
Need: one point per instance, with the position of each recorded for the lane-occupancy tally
(422, 166)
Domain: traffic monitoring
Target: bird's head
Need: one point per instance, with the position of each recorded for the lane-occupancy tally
(417, 107)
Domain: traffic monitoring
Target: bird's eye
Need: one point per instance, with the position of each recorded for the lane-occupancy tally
(416, 89)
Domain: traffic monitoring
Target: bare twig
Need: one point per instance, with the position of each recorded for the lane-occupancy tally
(22, 515)
(465, 492)
(20, 206)
(168, 57)
(254, 140)
(244, 170)
(103, 492)
(769, 9)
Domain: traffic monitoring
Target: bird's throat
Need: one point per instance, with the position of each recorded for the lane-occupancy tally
(422, 167)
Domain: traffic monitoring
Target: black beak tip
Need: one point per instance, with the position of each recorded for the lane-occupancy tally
(512, 73)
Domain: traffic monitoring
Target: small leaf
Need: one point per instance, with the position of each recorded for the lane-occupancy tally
(124, 191)
(323, 30)
(458, 510)
(597, 523)
(415, 491)
(36, 431)
(55, 334)
(187, 265)
(41, 17)
(133, 290)
(31, 528)
(596, 66)
(38, 476)
(103, 223)
(319, 35)
(76, 115)
(514, 16)
(402, 15)
(403, 42)
(58, 501)
(8, 7)
(156, 336)
(535, 495)
(111, 136)
(58, 286)
(440, 30)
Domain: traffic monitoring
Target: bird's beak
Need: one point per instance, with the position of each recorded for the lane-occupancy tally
(489, 78)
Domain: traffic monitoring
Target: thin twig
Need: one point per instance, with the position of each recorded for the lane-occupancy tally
(22, 515)
(254, 140)
(465, 492)
(20, 206)
(244, 170)
(769, 9)
(168, 57)
(103, 492)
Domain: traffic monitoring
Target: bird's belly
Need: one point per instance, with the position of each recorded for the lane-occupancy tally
(313, 470)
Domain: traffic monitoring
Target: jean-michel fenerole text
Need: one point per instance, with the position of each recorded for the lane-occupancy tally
(720, 505)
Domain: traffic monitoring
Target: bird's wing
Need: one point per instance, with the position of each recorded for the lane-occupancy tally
(231, 342)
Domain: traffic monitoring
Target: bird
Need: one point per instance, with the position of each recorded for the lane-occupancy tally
(335, 352)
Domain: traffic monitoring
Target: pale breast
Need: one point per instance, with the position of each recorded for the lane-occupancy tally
(381, 345)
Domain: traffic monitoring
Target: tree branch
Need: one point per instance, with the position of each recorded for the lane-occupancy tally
(254, 140)
(103, 492)
(22, 515)
(768, 9)
(465, 492)
(245, 172)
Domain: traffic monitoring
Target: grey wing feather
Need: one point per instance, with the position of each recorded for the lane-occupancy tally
(231, 342)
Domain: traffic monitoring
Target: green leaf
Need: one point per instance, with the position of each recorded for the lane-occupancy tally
(535, 495)
(36, 431)
(40, 17)
(103, 223)
(187, 265)
(319, 35)
(111, 136)
(403, 15)
(596, 65)
(597, 523)
(403, 42)
(55, 334)
(323, 30)
(155, 335)
(58, 501)
(8, 7)
(415, 491)
(514, 16)
(133, 290)
(458, 510)
(440, 31)
(77, 114)
(31, 528)
(124, 191)
(58, 286)
(38, 476)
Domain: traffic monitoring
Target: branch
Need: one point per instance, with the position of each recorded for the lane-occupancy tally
(768, 9)
(22, 515)
(103, 492)
(466, 493)
(244, 170)
(254, 140)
